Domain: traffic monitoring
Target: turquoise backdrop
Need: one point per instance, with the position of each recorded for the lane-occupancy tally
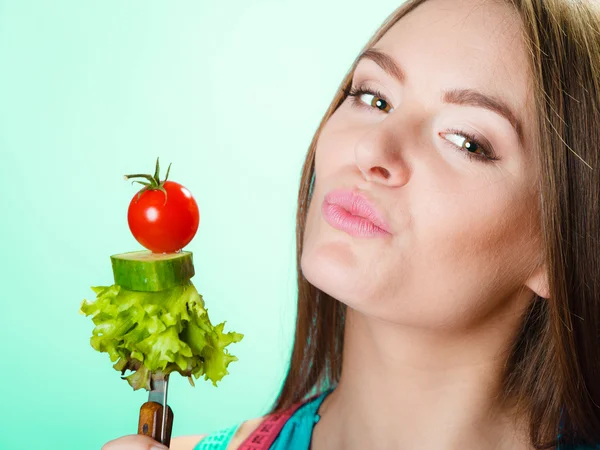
(231, 93)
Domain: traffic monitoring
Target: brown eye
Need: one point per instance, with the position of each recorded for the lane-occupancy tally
(469, 146)
(368, 98)
(466, 143)
(377, 102)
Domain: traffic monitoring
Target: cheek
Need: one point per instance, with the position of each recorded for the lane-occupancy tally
(462, 258)
(480, 243)
(333, 161)
(328, 257)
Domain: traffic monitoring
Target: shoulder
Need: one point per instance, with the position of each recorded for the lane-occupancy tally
(244, 430)
(186, 442)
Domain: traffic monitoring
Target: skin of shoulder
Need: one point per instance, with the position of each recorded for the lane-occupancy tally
(186, 442)
(245, 429)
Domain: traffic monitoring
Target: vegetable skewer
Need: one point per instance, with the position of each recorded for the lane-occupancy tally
(153, 321)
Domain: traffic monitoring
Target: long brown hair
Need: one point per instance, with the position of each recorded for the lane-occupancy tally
(554, 368)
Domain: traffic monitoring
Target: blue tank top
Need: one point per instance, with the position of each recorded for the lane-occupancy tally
(296, 434)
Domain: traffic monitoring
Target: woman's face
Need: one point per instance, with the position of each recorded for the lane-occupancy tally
(463, 230)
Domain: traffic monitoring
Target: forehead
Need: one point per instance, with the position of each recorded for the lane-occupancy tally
(455, 44)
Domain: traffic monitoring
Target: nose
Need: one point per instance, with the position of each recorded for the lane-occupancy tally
(379, 156)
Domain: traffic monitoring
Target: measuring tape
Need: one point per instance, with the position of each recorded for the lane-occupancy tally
(269, 429)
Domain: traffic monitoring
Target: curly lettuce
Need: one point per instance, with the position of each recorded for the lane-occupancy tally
(166, 331)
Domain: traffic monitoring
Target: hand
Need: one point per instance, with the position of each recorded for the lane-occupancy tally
(134, 442)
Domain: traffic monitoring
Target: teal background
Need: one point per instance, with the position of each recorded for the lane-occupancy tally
(231, 93)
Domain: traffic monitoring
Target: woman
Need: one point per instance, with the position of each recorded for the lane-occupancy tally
(462, 310)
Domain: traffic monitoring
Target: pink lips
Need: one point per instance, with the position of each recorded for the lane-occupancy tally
(351, 212)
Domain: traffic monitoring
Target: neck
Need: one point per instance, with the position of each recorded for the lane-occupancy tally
(406, 389)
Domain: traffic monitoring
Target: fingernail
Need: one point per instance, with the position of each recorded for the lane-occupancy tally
(159, 447)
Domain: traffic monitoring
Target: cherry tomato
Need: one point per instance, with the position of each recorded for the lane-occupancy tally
(163, 217)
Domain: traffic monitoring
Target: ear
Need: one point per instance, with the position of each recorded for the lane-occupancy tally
(538, 282)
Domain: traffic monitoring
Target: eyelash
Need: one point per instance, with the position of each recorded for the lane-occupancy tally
(487, 156)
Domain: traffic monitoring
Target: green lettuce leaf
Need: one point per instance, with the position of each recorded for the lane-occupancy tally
(167, 331)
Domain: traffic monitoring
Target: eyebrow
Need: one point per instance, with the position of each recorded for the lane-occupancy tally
(463, 97)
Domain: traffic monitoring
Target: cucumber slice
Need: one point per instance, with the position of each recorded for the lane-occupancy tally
(152, 272)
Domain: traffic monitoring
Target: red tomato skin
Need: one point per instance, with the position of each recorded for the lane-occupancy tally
(160, 227)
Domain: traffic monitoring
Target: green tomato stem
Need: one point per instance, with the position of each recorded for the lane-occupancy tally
(154, 181)
(156, 171)
(150, 178)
